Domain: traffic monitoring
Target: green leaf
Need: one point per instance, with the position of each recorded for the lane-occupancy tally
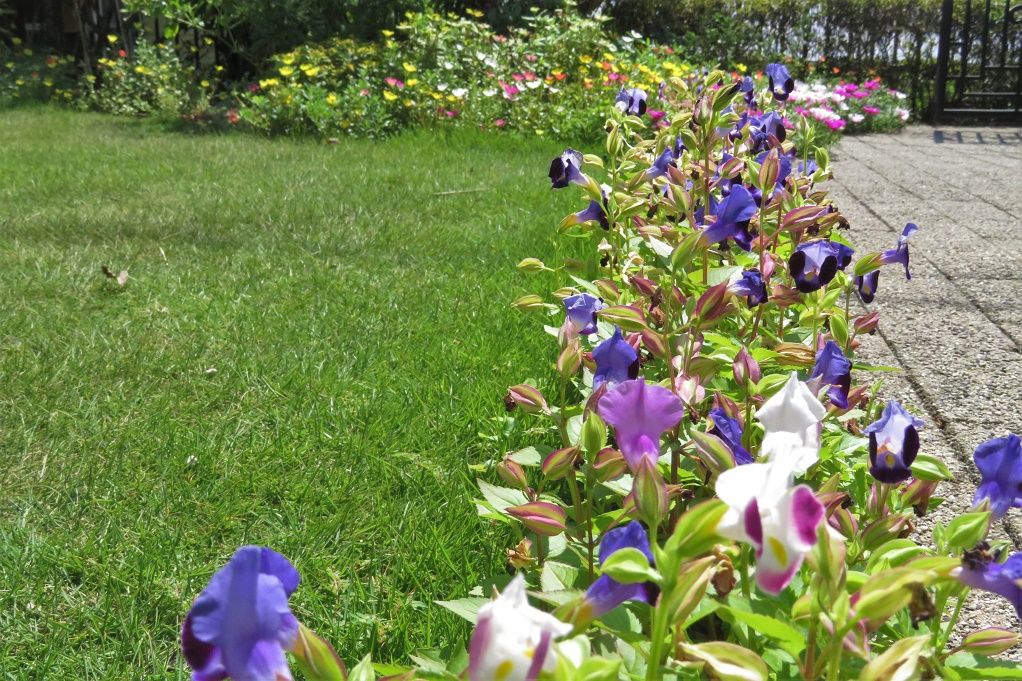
(629, 565)
(557, 576)
(788, 638)
(467, 608)
(316, 658)
(929, 467)
(964, 531)
(501, 498)
(969, 666)
(363, 671)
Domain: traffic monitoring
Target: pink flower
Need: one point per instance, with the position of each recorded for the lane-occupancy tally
(860, 94)
(530, 75)
(451, 114)
(531, 57)
(363, 93)
(394, 82)
(499, 123)
(835, 123)
(871, 110)
(518, 77)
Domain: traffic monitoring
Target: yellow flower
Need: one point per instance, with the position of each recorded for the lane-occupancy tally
(9, 65)
(19, 82)
(111, 38)
(218, 68)
(436, 95)
(451, 98)
(208, 41)
(410, 68)
(386, 33)
(141, 69)
(475, 13)
(331, 99)
(412, 82)
(408, 103)
(268, 83)
(742, 68)
(286, 71)
(48, 82)
(288, 59)
(389, 96)
(586, 59)
(15, 41)
(310, 70)
(204, 83)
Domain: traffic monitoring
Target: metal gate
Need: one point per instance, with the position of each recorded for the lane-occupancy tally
(979, 60)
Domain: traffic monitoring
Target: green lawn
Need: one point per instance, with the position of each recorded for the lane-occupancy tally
(308, 344)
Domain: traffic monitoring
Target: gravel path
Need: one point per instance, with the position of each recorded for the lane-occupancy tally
(956, 328)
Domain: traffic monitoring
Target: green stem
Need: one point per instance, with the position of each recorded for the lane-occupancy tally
(656, 647)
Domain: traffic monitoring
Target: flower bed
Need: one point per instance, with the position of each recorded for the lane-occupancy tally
(711, 490)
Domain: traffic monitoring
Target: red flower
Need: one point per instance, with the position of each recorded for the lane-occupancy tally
(122, 54)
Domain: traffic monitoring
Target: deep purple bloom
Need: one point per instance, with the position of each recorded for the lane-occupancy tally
(893, 444)
(1000, 463)
(567, 169)
(660, 165)
(748, 89)
(835, 370)
(596, 212)
(815, 263)
(807, 167)
(866, 286)
(730, 431)
(605, 593)
(616, 361)
(1004, 579)
(240, 624)
(631, 101)
(679, 146)
(761, 128)
(900, 253)
(733, 215)
(750, 285)
(780, 81)
(640, 413)
(582, 309)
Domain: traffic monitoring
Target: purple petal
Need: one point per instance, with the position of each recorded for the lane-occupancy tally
(640, 414)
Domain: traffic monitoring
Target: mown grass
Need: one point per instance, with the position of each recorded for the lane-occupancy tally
(310, 339)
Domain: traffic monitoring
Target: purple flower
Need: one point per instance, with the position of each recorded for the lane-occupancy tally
(748, 89)
(240, 624)
(733, 215)
(631, 101)
(835, 370)
(893, 444)
(567, 169)
(660, 165)
(900, 253)
(1004, 579)
(1000, 463)
(581, 310)
(750, 284)
(780, 81)
(762, 128)
(815, 263)
(866, 286)
(640, 414)
(596, 211)
(605, 593)
(616, 361)
(730, 431)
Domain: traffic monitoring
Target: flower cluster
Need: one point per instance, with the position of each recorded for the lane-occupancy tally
(713, 491)
(857, 107)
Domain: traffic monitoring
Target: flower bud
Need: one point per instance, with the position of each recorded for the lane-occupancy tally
(570, 359)
(644, 287)
(560, 462)
(520, 557)
(770, 170)
(528, 303)
(746, 369)
(527, 397)
(844, 522)
(609, 464)
(724, 574)
(650, 493)
(784, 296)
(712, 305)
(990, 641)
(917, 495)
(866, 323)
(655, 343)
(511, 472)
(795, 354)
(542, 517)
(531, 265)
(884, 530)
(607, 288)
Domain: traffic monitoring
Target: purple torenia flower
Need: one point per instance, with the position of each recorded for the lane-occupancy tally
(748, 89)
(750, 284)
(761, 128)
(616, 361)
(866, 286)
(660, 165)
(893, 444)
(1000, 463)
(631, 101)
(815, 263)
(835, 370)
(730, 431)
(240, 625)
(1005, 579)
(640, 414)
(581, 310)
(780, 81)
(900, 253)
(605, 593)
(567, 169)
(733, 215)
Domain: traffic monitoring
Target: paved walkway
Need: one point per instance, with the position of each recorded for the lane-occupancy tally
(956, 327)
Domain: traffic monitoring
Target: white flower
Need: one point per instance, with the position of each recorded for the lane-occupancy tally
(778, 520)
(856, 118)
(512, 640)
(490, 92)
(459, 92)
(791, 419)
(533, 84)
(903, 114)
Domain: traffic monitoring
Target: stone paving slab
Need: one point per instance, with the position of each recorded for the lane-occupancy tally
(955, 329)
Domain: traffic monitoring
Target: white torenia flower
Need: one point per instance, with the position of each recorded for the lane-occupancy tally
(791, 419)
(778, 520)
(512, 640)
